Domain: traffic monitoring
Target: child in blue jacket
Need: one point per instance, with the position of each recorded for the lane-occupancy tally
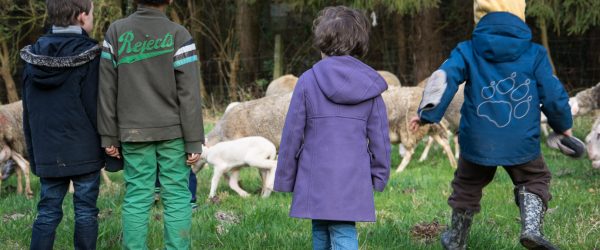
(508, 81)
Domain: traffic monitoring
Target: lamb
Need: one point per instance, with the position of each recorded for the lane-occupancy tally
(230, 156)
(282, 85)
(593, 144)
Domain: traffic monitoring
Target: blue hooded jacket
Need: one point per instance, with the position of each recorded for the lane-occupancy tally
(508, 81)
(60, 91)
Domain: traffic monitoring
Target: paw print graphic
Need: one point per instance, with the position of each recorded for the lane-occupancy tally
(504, 101)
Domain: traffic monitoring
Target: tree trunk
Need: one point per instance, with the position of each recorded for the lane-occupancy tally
(247, 34)
(196, 31)
(544, 37)
(5, 72)
(593, 58)
(278, 57)
(233, 77)
(427, 41)
(401, 37)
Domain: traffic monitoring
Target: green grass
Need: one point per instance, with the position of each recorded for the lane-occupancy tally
(417, 195)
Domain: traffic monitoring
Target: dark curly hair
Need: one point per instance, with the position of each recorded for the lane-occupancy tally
(65, 12)
(341, 31)
(152, 2)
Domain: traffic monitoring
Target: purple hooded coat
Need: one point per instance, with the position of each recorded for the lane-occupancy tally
(335, 147)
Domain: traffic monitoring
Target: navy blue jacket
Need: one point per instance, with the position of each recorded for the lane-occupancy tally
(60, 89)
(509, 81)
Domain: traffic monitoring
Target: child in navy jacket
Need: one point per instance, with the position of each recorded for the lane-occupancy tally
(60, 89)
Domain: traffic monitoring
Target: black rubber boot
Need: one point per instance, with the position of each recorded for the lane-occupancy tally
(455, 237)
(532, 216)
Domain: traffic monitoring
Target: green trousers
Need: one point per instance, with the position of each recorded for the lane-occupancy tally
(141, 159)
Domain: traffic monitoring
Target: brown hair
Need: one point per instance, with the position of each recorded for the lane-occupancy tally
(341, 31)
(64, 12)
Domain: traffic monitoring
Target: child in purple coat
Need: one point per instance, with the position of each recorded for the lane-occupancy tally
(335, 148)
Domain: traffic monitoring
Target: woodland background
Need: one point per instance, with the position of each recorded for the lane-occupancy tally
(244, 44)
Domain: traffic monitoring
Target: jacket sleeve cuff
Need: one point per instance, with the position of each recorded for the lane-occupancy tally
(193, 147)
(425, 120)
(108, 141)
(379, 186)
(561, 126)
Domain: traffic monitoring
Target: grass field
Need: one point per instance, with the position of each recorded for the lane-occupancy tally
(410, 213)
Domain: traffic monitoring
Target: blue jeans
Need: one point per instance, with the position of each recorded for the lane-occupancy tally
(335, 235)
(192, 185)
(50, 211)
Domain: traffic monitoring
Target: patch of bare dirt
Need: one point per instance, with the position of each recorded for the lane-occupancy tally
(12, 217)
(225, 219)
(427, 231)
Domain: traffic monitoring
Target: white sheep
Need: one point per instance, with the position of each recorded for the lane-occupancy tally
(282, 85)
(452, 115)
(593, 144)
(588, 99)
(402, 104)
(544, 120)
(285, 84)
(261, 117)
(230, 106)
(12, 144)
(231, 156)
(265, 117)
(391, 79)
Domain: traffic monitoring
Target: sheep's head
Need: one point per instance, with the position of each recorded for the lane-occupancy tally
(574, 105)
(199, 165)
(5, 152)
(8, 168)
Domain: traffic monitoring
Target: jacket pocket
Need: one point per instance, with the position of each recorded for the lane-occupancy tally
(300, 151)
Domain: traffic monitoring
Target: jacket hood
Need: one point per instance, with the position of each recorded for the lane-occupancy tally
(53, 55)
(501, 37)
(347, 80)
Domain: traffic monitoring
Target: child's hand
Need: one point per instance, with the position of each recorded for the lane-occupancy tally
(414, 123)
(569, 132)
(192, 158)
(113, 151)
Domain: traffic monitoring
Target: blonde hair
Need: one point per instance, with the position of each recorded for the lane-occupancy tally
(482, 7)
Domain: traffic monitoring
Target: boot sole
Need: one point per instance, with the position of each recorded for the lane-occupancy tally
(536, 243)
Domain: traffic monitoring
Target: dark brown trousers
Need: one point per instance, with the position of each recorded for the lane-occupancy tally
(470, 179)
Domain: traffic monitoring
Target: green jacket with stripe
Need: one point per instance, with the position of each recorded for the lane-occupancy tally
(149, 85)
